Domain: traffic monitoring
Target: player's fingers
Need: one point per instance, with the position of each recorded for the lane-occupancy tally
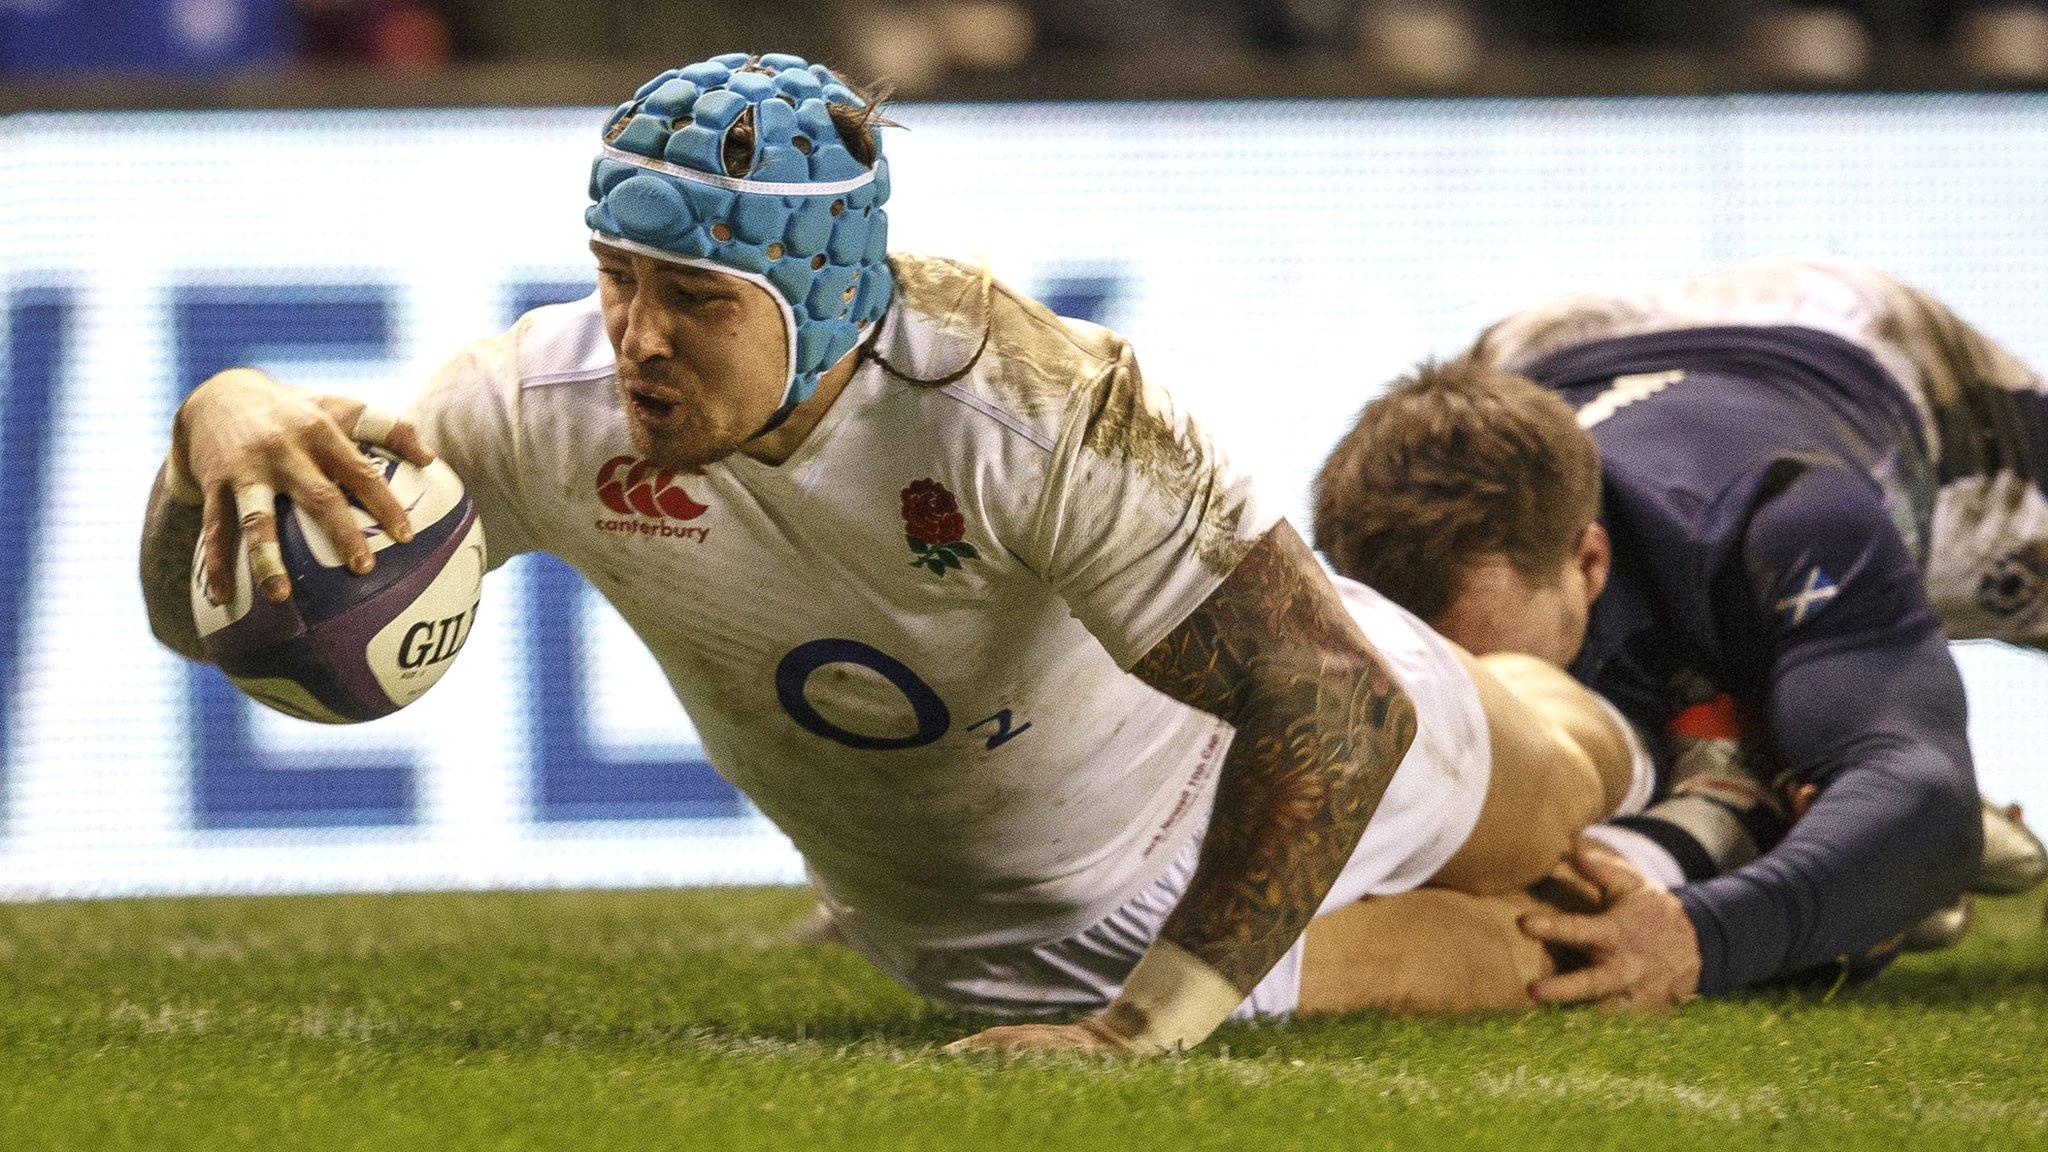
(1596, 932)
(322, 502)
(1613, 874)
(1612, 976)
(216, 546)
(1804, 795)
(346, 413)
(381, 426)
(1640, 999)
(256, 516)
(363, 478)
(386, 428)
(1004, 1038)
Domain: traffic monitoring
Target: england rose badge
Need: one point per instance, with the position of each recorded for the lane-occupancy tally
(934, 527)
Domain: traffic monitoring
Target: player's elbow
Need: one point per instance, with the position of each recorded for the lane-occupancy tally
(1947, 820)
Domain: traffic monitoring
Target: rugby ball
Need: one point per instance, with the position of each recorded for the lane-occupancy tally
(347, 648)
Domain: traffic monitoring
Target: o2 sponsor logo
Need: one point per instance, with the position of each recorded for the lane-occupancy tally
(647, 499)
(934, 719)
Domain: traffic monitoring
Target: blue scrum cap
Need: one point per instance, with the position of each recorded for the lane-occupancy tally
(805, 222)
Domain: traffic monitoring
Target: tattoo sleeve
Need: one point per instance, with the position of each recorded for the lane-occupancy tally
(170, 533)
(1321, 726)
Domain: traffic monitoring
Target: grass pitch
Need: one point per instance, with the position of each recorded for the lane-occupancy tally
(671, 1020)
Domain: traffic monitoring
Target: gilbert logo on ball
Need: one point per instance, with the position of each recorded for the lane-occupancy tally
(348, 648)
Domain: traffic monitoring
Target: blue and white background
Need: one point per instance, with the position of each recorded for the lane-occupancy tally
(1273, 262)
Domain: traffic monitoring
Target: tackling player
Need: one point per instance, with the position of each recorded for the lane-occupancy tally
(1792, 481)
(1060, 716)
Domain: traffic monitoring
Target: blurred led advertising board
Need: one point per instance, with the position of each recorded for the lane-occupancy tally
(1274, 263)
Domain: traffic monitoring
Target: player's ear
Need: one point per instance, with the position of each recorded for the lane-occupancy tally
(1594, 555)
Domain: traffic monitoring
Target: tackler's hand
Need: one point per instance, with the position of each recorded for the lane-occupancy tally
(242, 438)
(1090, 1035)
(1643, 953)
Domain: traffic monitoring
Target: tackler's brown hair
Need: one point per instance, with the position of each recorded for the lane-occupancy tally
(1457, 462)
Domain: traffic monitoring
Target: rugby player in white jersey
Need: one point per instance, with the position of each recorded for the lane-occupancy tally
(1061, 717)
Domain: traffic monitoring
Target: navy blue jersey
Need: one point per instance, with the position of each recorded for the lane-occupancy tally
(1768, 497)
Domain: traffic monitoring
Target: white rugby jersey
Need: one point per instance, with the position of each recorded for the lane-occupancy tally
(906, 644)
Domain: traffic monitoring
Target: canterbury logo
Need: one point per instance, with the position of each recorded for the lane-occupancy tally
(631, 486)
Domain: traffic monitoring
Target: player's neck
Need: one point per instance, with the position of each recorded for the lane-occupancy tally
(782, 443)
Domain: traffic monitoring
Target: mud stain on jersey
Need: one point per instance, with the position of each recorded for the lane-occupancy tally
(1135, 427)
(1031, 363)
(1034, 371)
(1035, 366)
(1970, 383)
(952, 295)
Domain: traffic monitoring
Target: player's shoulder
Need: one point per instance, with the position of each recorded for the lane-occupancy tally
(966, 300)
(477, 394)
(553, 344)
(1800, 503)
(559, 344)
(1826, 556)
(968, 337)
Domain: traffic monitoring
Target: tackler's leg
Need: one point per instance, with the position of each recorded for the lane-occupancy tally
(1562, 761)
(1557, 759)
(1985, 491)
(1431, 951)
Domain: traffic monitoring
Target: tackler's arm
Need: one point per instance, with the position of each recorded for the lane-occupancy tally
(1864, 700)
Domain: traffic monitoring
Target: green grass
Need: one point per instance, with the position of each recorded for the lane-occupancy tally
(680, 1020)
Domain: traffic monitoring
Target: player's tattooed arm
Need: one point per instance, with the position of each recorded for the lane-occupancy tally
(170, 534)
(1321, 726)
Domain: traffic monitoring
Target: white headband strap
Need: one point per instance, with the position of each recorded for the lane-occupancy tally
(740, 184)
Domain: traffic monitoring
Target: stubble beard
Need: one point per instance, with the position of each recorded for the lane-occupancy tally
(678, 450)
(685, 441)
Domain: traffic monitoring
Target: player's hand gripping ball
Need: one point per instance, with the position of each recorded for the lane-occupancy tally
(346, 648)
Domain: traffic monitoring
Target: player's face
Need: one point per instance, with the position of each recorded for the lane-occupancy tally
(1498, 609)
(703, 356)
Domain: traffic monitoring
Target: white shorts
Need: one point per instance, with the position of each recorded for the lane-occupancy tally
(1429, 810)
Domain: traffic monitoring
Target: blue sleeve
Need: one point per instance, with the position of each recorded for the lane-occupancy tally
(1862, 699)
